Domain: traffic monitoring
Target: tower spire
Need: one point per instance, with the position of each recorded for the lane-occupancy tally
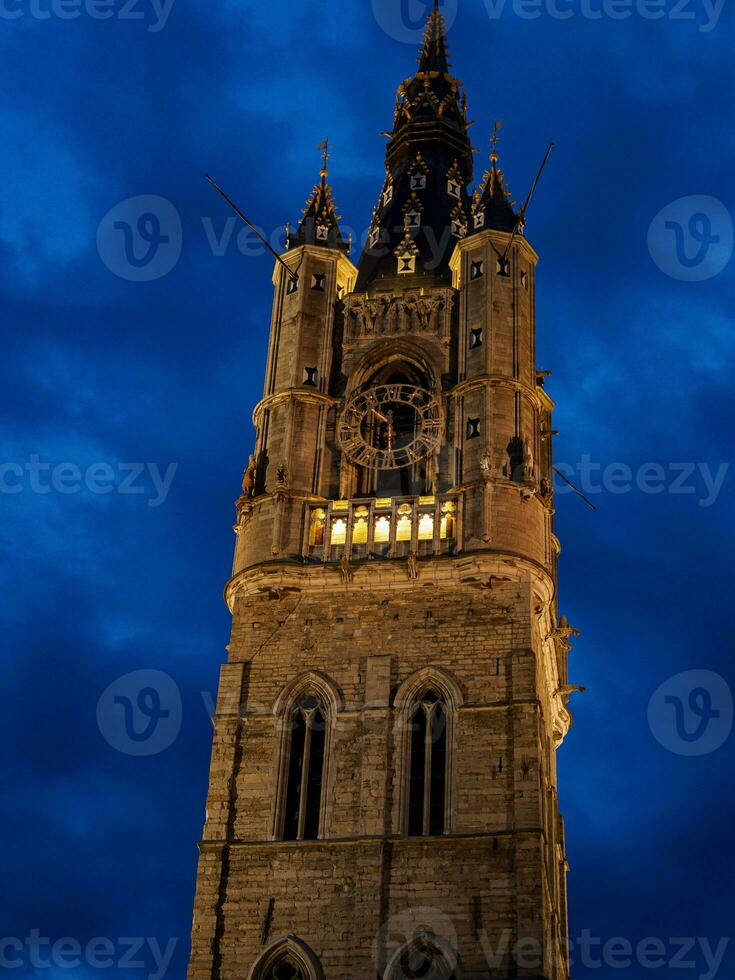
(320, 222)
(434, 55)
(491, 205)
(429, 163)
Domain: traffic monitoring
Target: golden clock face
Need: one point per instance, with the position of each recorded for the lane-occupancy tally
(390, 426)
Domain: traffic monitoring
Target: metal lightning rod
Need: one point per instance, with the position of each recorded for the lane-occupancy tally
(522, 213)
(251, 226)
(576, 489)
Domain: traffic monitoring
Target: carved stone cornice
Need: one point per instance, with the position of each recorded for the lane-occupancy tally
(306, 395)
(537, 395)
(450, 571)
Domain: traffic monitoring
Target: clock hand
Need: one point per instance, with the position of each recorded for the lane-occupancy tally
(377, 414)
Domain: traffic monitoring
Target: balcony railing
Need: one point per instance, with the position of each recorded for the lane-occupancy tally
(390, 527)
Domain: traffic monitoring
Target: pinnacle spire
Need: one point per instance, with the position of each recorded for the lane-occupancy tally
(429, 163)
(491, 205)
(320, 222)
(434, 55)
(432, 95)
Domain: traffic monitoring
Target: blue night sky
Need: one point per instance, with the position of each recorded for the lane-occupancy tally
(103, 372)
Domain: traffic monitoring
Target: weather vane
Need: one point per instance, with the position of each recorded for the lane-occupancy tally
(324, 149)
(494, 139)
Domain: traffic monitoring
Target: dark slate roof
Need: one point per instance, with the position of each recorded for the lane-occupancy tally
(491, 203)
(428, 149)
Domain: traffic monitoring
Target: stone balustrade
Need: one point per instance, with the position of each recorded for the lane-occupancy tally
(390, 527)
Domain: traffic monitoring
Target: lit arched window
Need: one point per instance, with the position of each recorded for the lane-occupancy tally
(427, 792)
(305, 773)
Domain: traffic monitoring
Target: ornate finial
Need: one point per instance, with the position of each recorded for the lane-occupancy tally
(323, 148)
(320, 222)
(433, 55)
(494, 140)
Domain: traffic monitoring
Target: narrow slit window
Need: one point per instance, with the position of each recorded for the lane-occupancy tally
(318, 281)
(478, 270)
(473, 428)
(476, 338)
(293, 285)
(504, 267)
(310, 376)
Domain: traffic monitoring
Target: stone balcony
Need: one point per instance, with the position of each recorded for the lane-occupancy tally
(390, 527)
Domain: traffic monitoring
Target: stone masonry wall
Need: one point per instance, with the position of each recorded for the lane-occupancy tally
(481, 884)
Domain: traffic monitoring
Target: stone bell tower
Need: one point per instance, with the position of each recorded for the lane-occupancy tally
(383, 790)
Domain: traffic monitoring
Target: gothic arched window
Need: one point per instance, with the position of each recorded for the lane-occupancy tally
(305, 712)
(427, 790)
(305, 773)
(285, 969)
(287, 959)
(427, 704)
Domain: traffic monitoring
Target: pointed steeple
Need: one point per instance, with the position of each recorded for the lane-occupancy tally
(491, 204)
(432, 94)
(320, 222)
(434, 55)
(429, 164)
